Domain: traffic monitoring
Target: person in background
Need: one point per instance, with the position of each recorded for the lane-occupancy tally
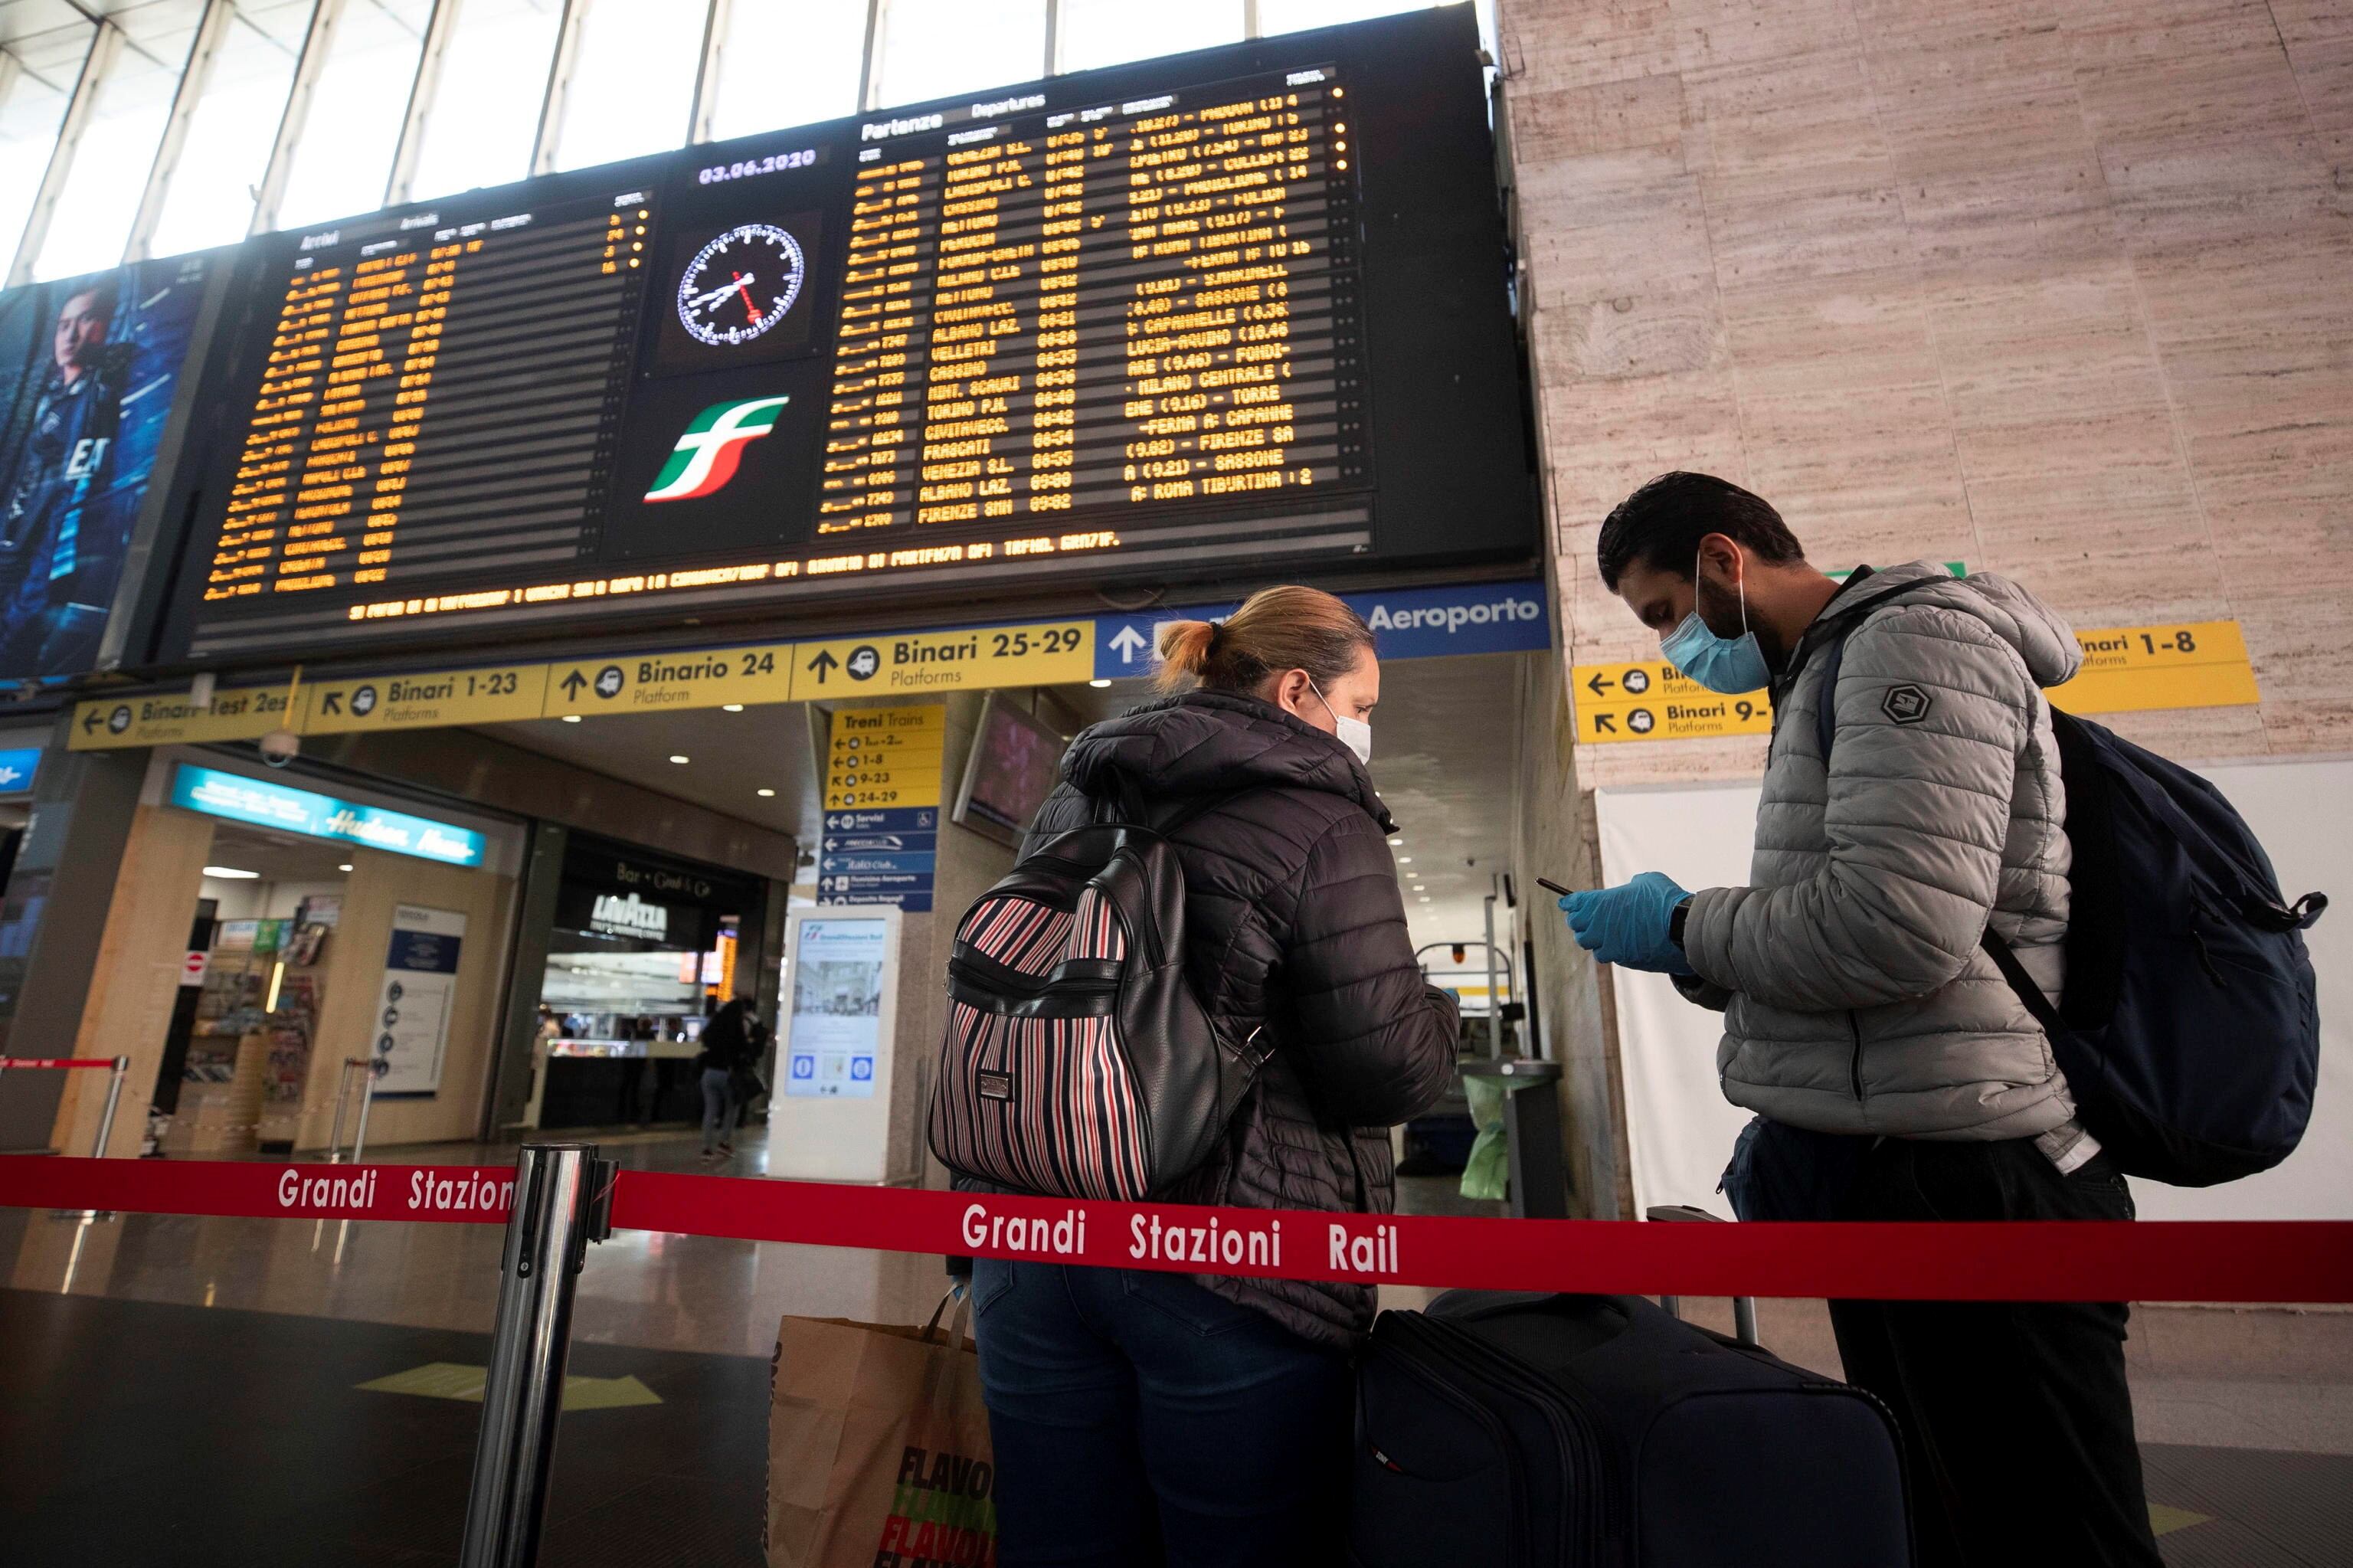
(728, 1045)
(1156, 1417)
(1896, 1074)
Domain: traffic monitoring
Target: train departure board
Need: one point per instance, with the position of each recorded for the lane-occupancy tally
(1220, 317)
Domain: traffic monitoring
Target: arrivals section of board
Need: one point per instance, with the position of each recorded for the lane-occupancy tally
(435, 402)
(1101, 310)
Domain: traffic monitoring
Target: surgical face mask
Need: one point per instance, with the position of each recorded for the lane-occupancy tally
(1727, 665)
(1354, 733)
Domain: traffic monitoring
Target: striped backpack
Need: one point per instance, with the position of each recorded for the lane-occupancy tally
(1078, 1061)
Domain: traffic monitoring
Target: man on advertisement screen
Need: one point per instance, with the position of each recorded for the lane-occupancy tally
(94, 361)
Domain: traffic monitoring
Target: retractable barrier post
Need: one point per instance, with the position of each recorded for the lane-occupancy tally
(343, 1095)
(563, 1201)
(113, 1098)
(367, 1102)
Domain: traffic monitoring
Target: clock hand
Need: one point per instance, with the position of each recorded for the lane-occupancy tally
(741, 279)
(716, 295)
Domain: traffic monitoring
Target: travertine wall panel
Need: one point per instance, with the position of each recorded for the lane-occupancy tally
(2062, 290)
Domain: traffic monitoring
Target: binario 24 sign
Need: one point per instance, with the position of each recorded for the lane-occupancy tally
(1411, 623)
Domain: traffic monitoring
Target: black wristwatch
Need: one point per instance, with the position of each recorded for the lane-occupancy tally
(1677, 920)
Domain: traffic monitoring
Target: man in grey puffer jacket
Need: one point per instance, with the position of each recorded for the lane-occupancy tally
(1896, 1074)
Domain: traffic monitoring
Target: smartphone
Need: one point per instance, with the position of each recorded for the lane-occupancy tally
(1551, 886)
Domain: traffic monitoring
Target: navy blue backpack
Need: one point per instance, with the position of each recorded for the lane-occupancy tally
(2190, 1027)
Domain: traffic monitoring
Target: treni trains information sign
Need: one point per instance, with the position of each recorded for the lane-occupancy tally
(1175, 320)
(2198, 664)
(1411, 623)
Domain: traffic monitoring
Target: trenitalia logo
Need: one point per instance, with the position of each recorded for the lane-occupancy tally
(706, 457)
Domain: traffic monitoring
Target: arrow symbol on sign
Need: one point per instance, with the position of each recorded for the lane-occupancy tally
(1599, 683)
(89, 721)
(1130, 642)
(825, 664)
(573, 682)
(9, 776)
(1603, 723)
(333, 703)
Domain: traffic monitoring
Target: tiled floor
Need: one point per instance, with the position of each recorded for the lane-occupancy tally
(2246, 1417)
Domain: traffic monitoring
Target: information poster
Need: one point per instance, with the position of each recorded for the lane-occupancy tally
(837, 1018)
(420, 985)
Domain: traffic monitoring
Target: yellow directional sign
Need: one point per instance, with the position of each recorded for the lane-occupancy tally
(168, 718)
(2196, 664)
(491, 694)
(1650, 699)
(919, 661)
(660, 683)
(885, 758)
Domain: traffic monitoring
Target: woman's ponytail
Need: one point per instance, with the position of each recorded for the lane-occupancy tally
(1276, 628)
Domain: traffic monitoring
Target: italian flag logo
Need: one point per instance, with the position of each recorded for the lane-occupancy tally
(706, 457)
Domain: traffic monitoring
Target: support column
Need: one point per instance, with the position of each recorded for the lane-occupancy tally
(518, 1048)
(54, 919)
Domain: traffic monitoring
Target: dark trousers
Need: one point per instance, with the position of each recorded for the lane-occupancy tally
(2017, 1424)
(1139, 1418)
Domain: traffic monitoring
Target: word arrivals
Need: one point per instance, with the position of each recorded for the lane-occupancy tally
(941, 1514)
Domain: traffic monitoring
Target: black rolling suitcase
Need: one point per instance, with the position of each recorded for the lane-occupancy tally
(1536, 1431)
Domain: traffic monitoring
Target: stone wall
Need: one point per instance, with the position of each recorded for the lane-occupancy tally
(2062, 289)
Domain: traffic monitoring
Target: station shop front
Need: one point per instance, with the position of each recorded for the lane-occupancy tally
(278, 937)
(643, 949)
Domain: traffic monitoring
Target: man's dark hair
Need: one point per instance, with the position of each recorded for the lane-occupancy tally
(1660, 526)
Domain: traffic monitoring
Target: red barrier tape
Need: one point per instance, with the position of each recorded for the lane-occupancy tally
(9, 1062)
(2246, 1261)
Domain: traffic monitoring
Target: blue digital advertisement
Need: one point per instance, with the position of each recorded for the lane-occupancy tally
(89, 370)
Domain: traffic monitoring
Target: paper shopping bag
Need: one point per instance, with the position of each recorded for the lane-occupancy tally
(878, 1448)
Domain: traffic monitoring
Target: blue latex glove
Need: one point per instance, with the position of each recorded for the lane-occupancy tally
(1627, 926)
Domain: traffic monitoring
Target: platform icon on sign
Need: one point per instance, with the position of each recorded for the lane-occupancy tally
(608, 681)
(863, 662)
(1640, 721)
(1638, 681)
(363, 701)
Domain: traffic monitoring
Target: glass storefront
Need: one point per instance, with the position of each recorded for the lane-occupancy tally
(643, 952)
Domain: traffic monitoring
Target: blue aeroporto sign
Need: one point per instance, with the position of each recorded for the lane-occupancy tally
(1411, 623)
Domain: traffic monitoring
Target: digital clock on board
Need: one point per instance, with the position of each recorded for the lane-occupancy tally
(740, 284)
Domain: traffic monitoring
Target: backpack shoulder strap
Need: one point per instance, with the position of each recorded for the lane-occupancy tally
(1833, 654)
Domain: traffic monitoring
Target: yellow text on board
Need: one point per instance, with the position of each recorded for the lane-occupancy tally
(920, 661)
(488, 695)
(885, 758)
(2127, 669)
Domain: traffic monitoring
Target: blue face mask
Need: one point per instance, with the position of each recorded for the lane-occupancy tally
(1727, 665)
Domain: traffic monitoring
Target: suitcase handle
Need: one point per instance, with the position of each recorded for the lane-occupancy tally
(1744, 1308)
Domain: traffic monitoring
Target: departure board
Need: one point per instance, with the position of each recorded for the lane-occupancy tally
(1127, 305)
(414, 383)
(1225, 317)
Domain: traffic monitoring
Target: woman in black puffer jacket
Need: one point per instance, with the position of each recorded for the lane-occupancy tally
(1142, 1417)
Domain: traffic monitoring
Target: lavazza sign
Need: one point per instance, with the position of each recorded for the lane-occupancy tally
(626, 914)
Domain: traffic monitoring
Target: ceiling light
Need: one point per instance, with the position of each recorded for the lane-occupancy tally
(674, 756)
(1425, 899)
(1399, 840)
(1098, 685)
(730, 707)
(1405, 859)
(231, 873)
(345, 867)
(765, 794)
(571, 718)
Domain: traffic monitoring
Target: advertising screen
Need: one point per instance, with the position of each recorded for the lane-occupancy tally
(1208, 316)
(90, 369)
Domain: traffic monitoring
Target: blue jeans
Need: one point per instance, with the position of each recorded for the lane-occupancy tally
(1140, 1418)
(719, 1108)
